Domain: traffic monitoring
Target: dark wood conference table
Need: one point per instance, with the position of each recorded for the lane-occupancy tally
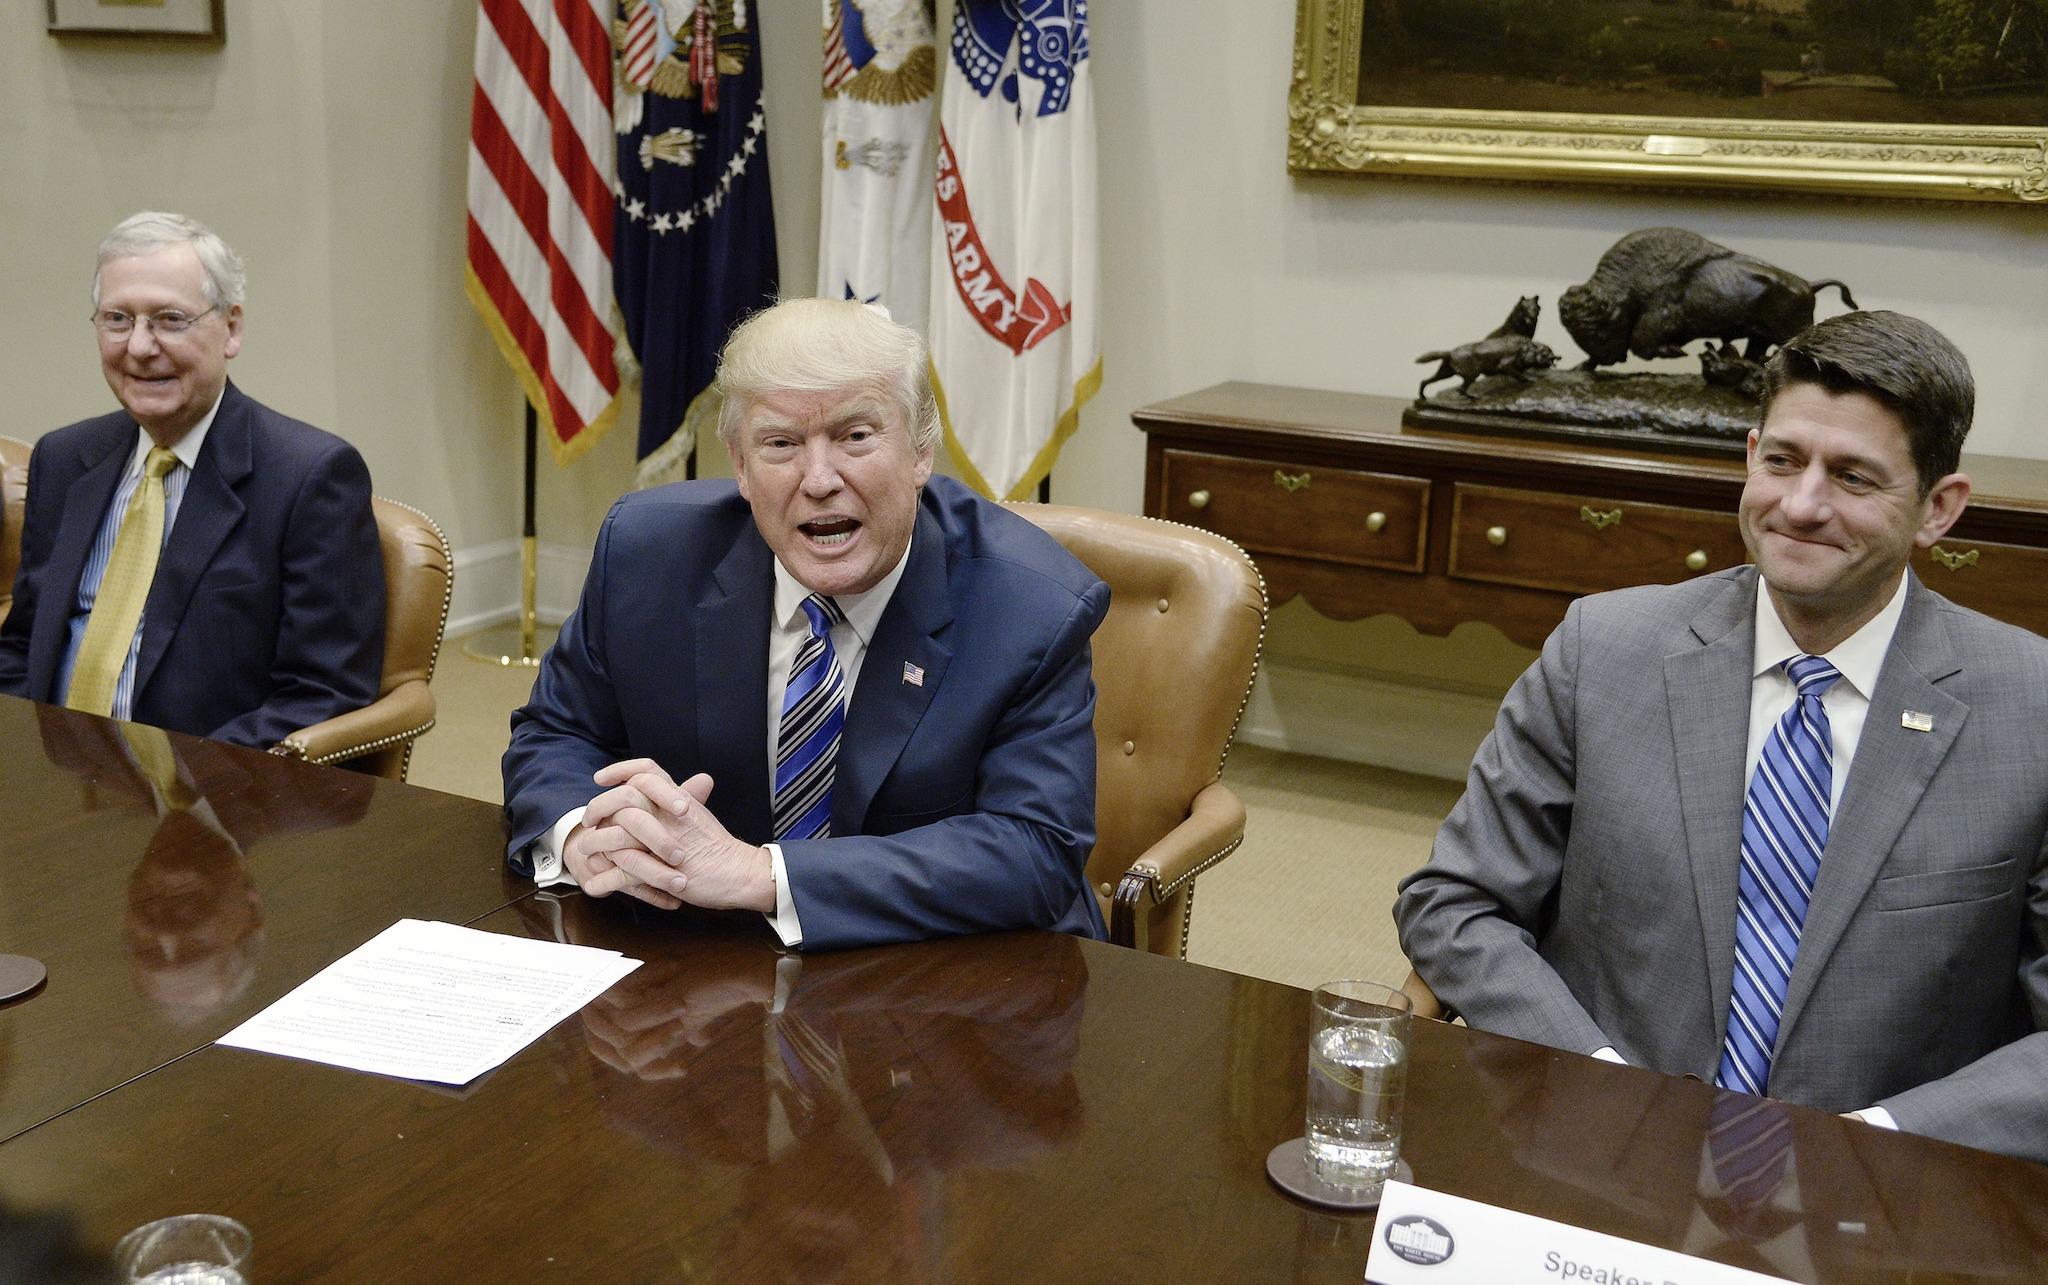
(1015, 1107)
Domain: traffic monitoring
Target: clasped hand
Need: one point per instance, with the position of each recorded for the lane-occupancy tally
(653, 839)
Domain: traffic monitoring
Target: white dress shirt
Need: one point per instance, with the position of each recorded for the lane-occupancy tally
(788, 626)
(175, 482)
(1859, 658)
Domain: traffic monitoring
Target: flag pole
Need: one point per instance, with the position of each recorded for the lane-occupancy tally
(496, 646)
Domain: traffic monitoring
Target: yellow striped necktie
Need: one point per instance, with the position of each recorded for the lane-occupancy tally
(151, 747)
(124, 588)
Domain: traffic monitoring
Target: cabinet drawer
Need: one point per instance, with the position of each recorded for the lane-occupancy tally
(1300, 510)
(1584, 544)
(2008, 581)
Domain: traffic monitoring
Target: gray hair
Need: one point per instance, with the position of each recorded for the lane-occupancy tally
(817, 345)
(154, 230)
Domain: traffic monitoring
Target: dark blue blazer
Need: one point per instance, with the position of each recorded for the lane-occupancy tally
(964, 803)
(267, 611)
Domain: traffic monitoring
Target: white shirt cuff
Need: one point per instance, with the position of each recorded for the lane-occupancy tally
(784, 920)
(1877, 1116)
(1606, 1053)
(548, 868)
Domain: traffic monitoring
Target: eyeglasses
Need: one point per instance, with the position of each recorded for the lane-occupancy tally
(116, 324)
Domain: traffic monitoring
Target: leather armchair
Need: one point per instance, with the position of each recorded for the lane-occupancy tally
(13, 504)
(419, 578)
(1173, 663)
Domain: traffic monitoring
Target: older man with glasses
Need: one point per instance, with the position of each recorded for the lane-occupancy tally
(196, 560)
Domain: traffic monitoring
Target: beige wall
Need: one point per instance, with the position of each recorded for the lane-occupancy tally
(327, 141)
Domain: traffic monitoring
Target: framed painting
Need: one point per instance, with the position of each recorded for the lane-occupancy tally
(203, 20)
(1927, 99)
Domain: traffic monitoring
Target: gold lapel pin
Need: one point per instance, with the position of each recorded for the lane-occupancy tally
(1915, 721)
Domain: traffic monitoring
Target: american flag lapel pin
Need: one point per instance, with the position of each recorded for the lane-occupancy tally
(1915, 721)
(913, 674)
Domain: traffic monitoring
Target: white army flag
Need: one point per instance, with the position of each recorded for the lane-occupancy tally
(1014, 330)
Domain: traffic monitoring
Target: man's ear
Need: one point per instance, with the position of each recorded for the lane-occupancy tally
(234, 343)
(1943, 505)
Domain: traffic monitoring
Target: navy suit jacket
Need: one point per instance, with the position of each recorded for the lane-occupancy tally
(962, 803)
(267, 611)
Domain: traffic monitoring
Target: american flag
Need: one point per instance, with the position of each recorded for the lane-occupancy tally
(540, 207)
(838, 67)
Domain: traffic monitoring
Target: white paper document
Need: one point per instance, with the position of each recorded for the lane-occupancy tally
(431, 1001)
(1425, 1237)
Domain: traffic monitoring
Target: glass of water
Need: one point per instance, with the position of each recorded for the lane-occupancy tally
(1357, 1082)
(190, 1249)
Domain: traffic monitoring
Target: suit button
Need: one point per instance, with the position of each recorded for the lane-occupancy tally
(1130, 748)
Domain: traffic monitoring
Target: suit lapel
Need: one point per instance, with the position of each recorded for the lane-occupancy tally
(886, 704)
(1889, 774)
(210, 510)
(732, 683)
(1707, 687)
(85, 507)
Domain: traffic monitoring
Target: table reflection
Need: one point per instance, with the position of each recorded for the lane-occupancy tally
(193, 922)
(842, 1086)
(1752, 1182)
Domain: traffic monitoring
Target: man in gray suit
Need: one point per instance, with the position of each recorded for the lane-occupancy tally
(1789, 841)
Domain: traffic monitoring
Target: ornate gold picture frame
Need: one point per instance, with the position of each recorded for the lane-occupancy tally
(1339, 125)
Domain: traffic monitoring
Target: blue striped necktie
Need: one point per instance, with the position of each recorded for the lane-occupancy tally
(1784, 830)
(813, 712)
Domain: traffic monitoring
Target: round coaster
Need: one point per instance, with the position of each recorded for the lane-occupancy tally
(1287, 1166)
(19, 975)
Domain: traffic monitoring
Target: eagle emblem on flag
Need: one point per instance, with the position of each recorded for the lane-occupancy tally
(677, 49)
(880, 51)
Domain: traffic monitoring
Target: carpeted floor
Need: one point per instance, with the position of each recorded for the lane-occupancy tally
(1303, 901)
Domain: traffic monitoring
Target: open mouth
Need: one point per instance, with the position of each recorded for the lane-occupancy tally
(829, 532)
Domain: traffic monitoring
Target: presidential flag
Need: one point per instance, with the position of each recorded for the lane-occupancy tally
(1014, 330)
(874, 236)
(694, 241)
(540, 208)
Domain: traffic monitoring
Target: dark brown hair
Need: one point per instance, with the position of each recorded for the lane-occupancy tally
(1902, 362)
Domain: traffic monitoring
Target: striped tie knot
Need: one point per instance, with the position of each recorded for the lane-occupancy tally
(1811, 675)
(825, 613)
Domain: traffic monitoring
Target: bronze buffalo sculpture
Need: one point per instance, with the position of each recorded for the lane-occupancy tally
(1658, 289)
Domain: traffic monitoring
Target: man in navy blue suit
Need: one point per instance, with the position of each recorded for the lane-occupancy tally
(884, 676)
(265, 594)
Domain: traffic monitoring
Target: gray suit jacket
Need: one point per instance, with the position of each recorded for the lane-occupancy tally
(1583, 891)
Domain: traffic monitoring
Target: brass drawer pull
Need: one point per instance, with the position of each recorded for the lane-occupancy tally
(1598, 520)
(1198, 499)
(1954, 561)
(1290, 482)
(1696, 560)
(1374, 522)
(1496, 535)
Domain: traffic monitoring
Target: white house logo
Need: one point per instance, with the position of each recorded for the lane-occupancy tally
(1422, 1241)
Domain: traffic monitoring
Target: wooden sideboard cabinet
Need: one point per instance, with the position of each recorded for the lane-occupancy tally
(1341, 505)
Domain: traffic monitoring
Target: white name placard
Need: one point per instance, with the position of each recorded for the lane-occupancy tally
(1425, 1237)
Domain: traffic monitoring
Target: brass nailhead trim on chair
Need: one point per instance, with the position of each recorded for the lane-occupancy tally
(448, 599)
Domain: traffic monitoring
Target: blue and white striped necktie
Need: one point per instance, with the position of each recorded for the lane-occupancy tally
(813, 712)
(1784, 830)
